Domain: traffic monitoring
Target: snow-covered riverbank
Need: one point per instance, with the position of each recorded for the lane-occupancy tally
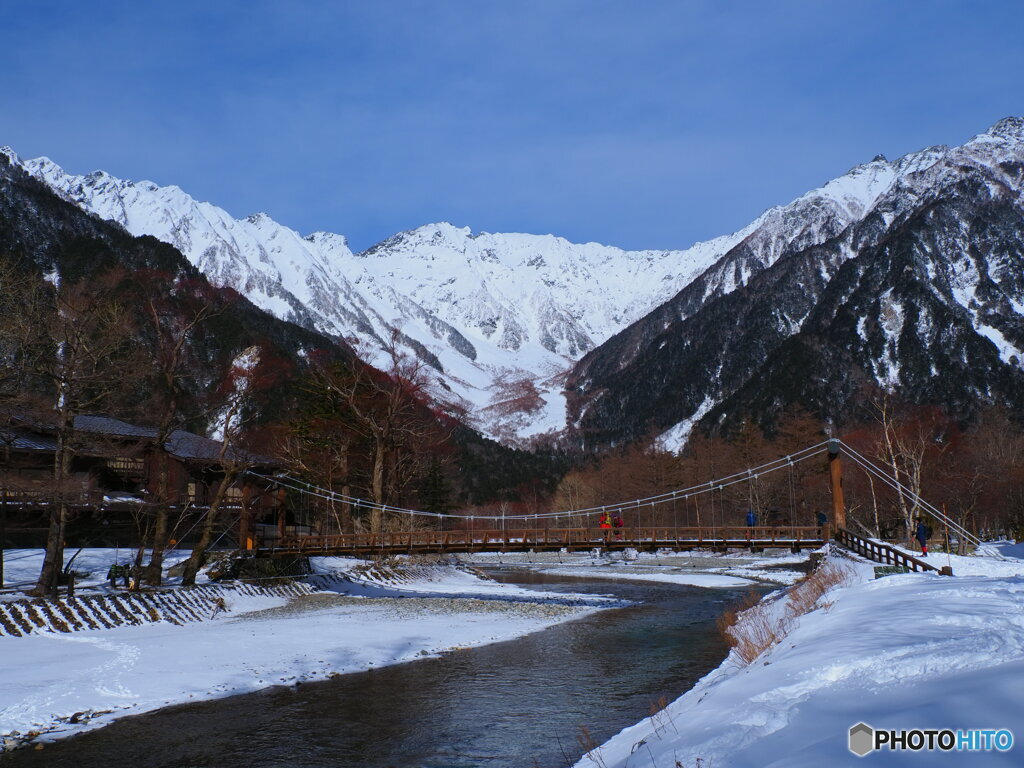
(54, 684)
(912, 651)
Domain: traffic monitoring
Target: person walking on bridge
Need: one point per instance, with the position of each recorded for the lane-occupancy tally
(751, 518)
(605, 524)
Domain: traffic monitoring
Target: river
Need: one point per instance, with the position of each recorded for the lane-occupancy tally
(515, 704)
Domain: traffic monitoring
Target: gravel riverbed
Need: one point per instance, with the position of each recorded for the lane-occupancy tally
(411, 606)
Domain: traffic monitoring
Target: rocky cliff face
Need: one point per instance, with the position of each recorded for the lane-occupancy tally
(914, 286)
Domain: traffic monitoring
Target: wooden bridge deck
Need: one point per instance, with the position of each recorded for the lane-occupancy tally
(548, 539)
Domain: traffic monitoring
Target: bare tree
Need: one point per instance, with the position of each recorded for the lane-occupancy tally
(988, 479)
(174, 319)
(66, 339)
(319, 442)
(575, 492)
(232, 459)
(389, 410)
(903, 445)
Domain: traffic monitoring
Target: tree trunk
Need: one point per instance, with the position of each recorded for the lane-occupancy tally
(53, 560)
(377, 514)
(154, 571)
(346, 490)
(198, 557)
(874, 507)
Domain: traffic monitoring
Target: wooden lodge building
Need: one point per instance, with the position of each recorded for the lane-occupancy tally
(113, 478)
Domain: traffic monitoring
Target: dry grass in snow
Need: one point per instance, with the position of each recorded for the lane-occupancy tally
(757, 625)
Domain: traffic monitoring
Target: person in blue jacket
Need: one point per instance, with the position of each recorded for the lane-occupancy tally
(751, 518)
(922, 533)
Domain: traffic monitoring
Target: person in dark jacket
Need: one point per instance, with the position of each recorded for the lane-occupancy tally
(751, 518)
(112, 573)
(922, 533)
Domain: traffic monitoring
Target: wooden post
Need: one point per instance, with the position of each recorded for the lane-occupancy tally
(280, 515)
(835, 469)
(244, 540)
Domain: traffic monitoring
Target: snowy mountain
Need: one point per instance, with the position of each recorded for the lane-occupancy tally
(905, 275)
(520, 331)
(499, 318)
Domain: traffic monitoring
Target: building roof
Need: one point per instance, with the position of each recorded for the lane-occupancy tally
(105, 425)
(19, 439)
(187, 446)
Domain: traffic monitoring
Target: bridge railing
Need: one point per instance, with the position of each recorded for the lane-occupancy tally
(473, 540)
(885, 554)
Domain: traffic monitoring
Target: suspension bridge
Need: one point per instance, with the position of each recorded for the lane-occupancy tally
(549, 539)
(573, 530)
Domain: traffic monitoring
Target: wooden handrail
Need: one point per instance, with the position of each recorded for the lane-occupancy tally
(885, 554)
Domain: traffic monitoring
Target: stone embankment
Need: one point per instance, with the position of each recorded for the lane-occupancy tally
(176, 606)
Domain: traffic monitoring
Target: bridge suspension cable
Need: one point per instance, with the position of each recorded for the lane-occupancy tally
(693, 492)
(894, 482)
(710, 486)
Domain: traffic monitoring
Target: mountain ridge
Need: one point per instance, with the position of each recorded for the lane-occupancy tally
(522, 332)
(482, 336)
(703, 356)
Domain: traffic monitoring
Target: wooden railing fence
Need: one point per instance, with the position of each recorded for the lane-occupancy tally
(885, 554)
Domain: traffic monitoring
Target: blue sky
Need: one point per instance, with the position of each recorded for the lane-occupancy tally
(639, 124)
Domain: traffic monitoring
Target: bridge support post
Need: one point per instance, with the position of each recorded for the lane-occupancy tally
(244, 536)
(835, 469)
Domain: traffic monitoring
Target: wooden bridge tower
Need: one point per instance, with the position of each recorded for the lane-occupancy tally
(835, 467)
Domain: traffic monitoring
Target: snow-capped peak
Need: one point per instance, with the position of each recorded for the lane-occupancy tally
(494, 314)
(1008, 129)
(488, 311)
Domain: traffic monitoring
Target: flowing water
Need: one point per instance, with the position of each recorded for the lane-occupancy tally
(514, 704)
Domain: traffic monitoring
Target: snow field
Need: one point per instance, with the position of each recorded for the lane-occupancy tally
(905, 651)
